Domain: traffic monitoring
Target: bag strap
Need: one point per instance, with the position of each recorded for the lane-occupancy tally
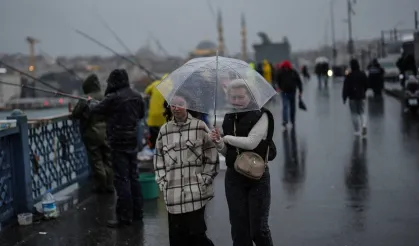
(271, 125)
(270, 132)
(237, 149)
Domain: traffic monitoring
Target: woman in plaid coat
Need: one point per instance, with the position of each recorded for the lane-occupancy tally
(186, 163)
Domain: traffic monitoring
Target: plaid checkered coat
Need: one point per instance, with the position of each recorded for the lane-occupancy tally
(186, 163)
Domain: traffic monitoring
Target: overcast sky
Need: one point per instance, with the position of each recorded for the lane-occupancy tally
(181, 24)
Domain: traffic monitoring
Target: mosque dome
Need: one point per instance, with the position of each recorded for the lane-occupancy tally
(206, 45)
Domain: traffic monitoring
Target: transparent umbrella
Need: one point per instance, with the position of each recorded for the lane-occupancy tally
(321, 59)
(216, 85)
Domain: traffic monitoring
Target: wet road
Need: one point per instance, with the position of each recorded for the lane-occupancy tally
(328, 187)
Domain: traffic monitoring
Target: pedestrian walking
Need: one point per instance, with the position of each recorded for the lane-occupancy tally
(289, 82)
(355, 86)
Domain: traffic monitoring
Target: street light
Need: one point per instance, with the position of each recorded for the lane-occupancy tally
(351, 12)
(332, 19)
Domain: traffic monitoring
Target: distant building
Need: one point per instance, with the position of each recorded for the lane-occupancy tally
(205, 48)
(273, 52)
(8, 92)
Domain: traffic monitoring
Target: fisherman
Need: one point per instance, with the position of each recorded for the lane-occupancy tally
(123, 108)
(93, 131)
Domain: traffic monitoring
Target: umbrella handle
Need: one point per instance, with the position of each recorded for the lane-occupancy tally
(215, 120)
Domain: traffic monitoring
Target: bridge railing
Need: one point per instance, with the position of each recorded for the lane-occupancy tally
(57, 154)
(9, 137)
(36, 156)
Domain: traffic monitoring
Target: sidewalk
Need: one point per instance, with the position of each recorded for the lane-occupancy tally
(86, 225)
(393, 89)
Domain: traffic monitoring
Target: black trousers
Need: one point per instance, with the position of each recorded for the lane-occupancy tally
(188, 229)
(129, 203)
(248, 204)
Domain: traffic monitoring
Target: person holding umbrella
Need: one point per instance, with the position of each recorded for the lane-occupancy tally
(247, 142)
(248, 198)
(186, 163)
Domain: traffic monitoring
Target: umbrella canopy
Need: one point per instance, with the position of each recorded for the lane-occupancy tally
(216, 85)
(321, 59)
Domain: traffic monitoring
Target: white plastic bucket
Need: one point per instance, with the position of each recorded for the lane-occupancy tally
(24, 219)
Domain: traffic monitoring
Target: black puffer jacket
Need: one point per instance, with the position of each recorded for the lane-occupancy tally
(123, 108)
(355, 84)
(407, 63)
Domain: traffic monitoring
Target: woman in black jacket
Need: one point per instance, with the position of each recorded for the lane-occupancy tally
(248, 200)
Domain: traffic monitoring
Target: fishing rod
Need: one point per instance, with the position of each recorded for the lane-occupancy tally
(149, 74)
(70, 71)
(28, 75)
(56, 93)
(106, 25)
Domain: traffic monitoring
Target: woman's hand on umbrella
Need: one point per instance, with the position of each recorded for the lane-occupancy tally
(215, 135)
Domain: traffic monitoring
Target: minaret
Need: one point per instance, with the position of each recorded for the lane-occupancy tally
(244, 40)
(220, 34)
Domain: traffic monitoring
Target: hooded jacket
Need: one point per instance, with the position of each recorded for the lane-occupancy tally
(155, 108)
(267, 71)
(123, 108)
(287, 78)
(375, 75)
(375, 69)
(407, 63)
(92, 127)
(355, 84)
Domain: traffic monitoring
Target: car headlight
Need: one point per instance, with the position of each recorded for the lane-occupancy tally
(401, 76)
(330, 73)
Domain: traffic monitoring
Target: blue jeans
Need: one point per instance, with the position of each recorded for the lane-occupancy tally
(288, 107)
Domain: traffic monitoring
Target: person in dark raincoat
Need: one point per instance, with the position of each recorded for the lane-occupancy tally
(305, 73)
(354, 87)
(123, 108)
(93, 131)
(407, 66)
(321, 70)
(376, 77)
(289, 82)
(259, 68)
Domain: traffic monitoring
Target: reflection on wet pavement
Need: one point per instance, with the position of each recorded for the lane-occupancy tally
(328, 186)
